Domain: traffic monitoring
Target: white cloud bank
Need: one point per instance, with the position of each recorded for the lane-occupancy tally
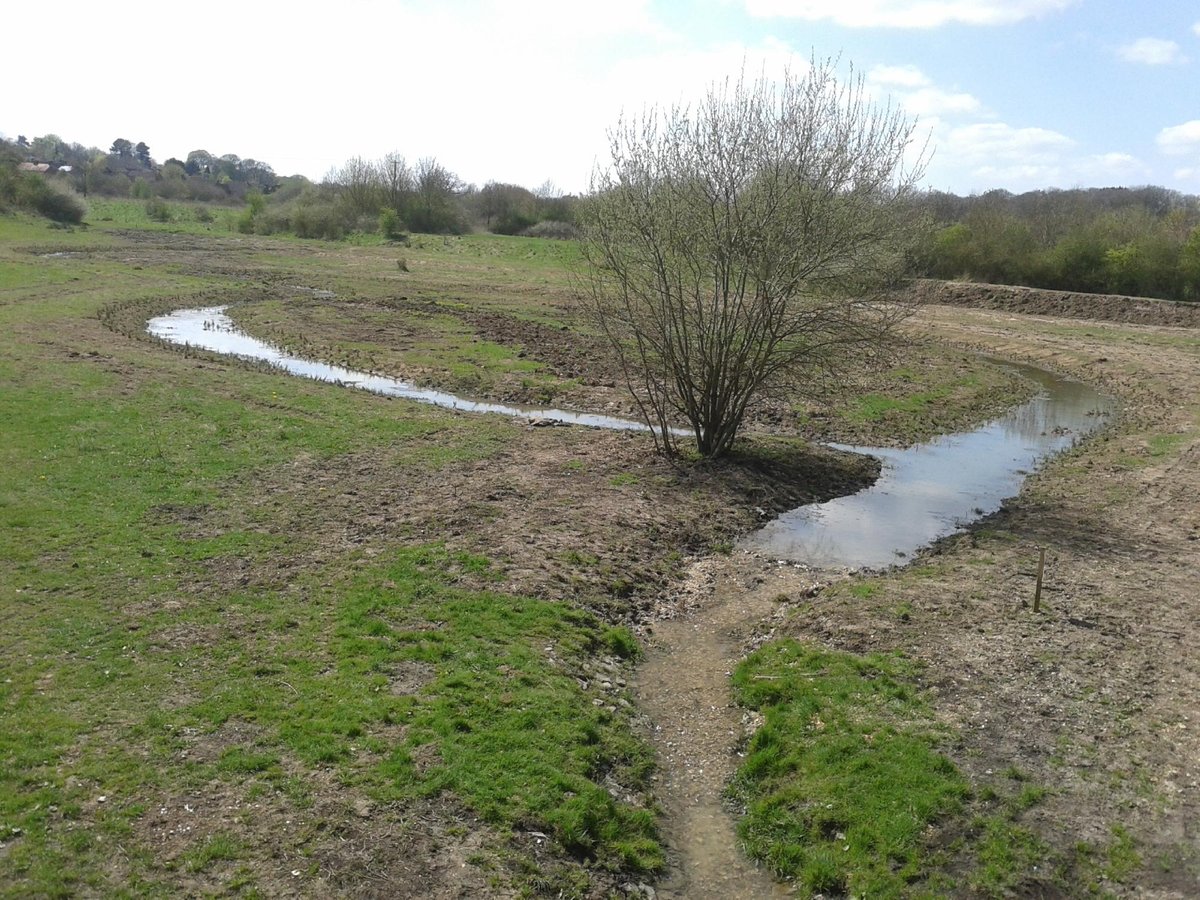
(906, 13)
(1180, 139)
(916, 92)
(1152, 52)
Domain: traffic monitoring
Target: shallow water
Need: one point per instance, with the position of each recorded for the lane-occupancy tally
(923, 493)
(210, 329)
(930, 490)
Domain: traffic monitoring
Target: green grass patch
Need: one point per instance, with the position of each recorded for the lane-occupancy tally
(864, 590)
(843, 778)
(1004, 854)
(219, 847)
(172, 579)
(1165, 444)
(162, 215)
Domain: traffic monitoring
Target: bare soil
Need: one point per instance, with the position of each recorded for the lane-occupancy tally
(1094, 697)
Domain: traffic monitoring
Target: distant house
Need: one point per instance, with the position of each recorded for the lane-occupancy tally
(43, 168)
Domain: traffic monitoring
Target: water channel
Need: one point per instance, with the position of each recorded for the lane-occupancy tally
(924, 492)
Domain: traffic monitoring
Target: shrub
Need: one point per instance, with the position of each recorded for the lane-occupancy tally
(513, 222)
(318, 220)
(272, 222)
(561, 231)
(50, 200)
(390, 225)
(158, 210)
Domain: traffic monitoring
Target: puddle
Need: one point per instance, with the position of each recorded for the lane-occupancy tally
(925, 492)
(210, 329)
(931, 490)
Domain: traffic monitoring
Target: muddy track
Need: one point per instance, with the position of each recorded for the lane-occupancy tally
(684, 686)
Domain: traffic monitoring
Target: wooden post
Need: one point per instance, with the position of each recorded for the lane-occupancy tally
(1037, 591)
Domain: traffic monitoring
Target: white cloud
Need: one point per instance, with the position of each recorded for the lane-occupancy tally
(1180, 139)
(987, 155)
(906, 13)
(1196, 29)
(1113, 167)
(1152, 52)
(915, 91)
(931, 101)
(985, 141)
(684, 75)
(993, 154)
(898, 76)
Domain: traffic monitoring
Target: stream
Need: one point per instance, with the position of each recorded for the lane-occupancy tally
(924, 492)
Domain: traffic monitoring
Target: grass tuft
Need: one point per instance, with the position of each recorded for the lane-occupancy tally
(839, 786)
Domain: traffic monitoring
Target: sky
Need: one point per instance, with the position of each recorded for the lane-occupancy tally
(1013, 94)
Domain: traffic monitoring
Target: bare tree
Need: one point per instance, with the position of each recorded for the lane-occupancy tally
(360, 186)
(744, 245)
(436, 208)
(397, 180)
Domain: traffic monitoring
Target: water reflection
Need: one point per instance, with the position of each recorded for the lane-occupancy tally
(924, 492)
(210, 329)
(931, 490)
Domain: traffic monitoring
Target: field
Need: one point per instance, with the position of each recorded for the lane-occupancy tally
(265, 636)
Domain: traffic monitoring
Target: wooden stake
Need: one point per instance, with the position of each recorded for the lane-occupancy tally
(1037, 591)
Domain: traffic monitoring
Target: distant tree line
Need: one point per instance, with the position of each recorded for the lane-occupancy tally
(391, 196)
(127, 169)
(1142, 241)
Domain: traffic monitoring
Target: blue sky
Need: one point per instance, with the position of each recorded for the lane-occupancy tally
(1015, 94)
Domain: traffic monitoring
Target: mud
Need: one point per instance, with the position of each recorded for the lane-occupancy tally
(1094, 697)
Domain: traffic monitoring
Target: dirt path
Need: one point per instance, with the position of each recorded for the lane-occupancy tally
(684, 687)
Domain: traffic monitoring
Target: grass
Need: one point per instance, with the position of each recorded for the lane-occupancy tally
(938, 390)
(514, 735)
(179, 217)
(136, 485)
(843, 780)
(846, 790)
(186, 614)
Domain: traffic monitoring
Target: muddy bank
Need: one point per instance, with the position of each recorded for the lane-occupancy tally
(931, 389)
(1065, 304)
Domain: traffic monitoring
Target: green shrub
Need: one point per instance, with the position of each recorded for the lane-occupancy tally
(272, 222)
(513, 222)
(318, 220)
(390, 225)
(50, 200)
(157, 210)
(255, 203)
